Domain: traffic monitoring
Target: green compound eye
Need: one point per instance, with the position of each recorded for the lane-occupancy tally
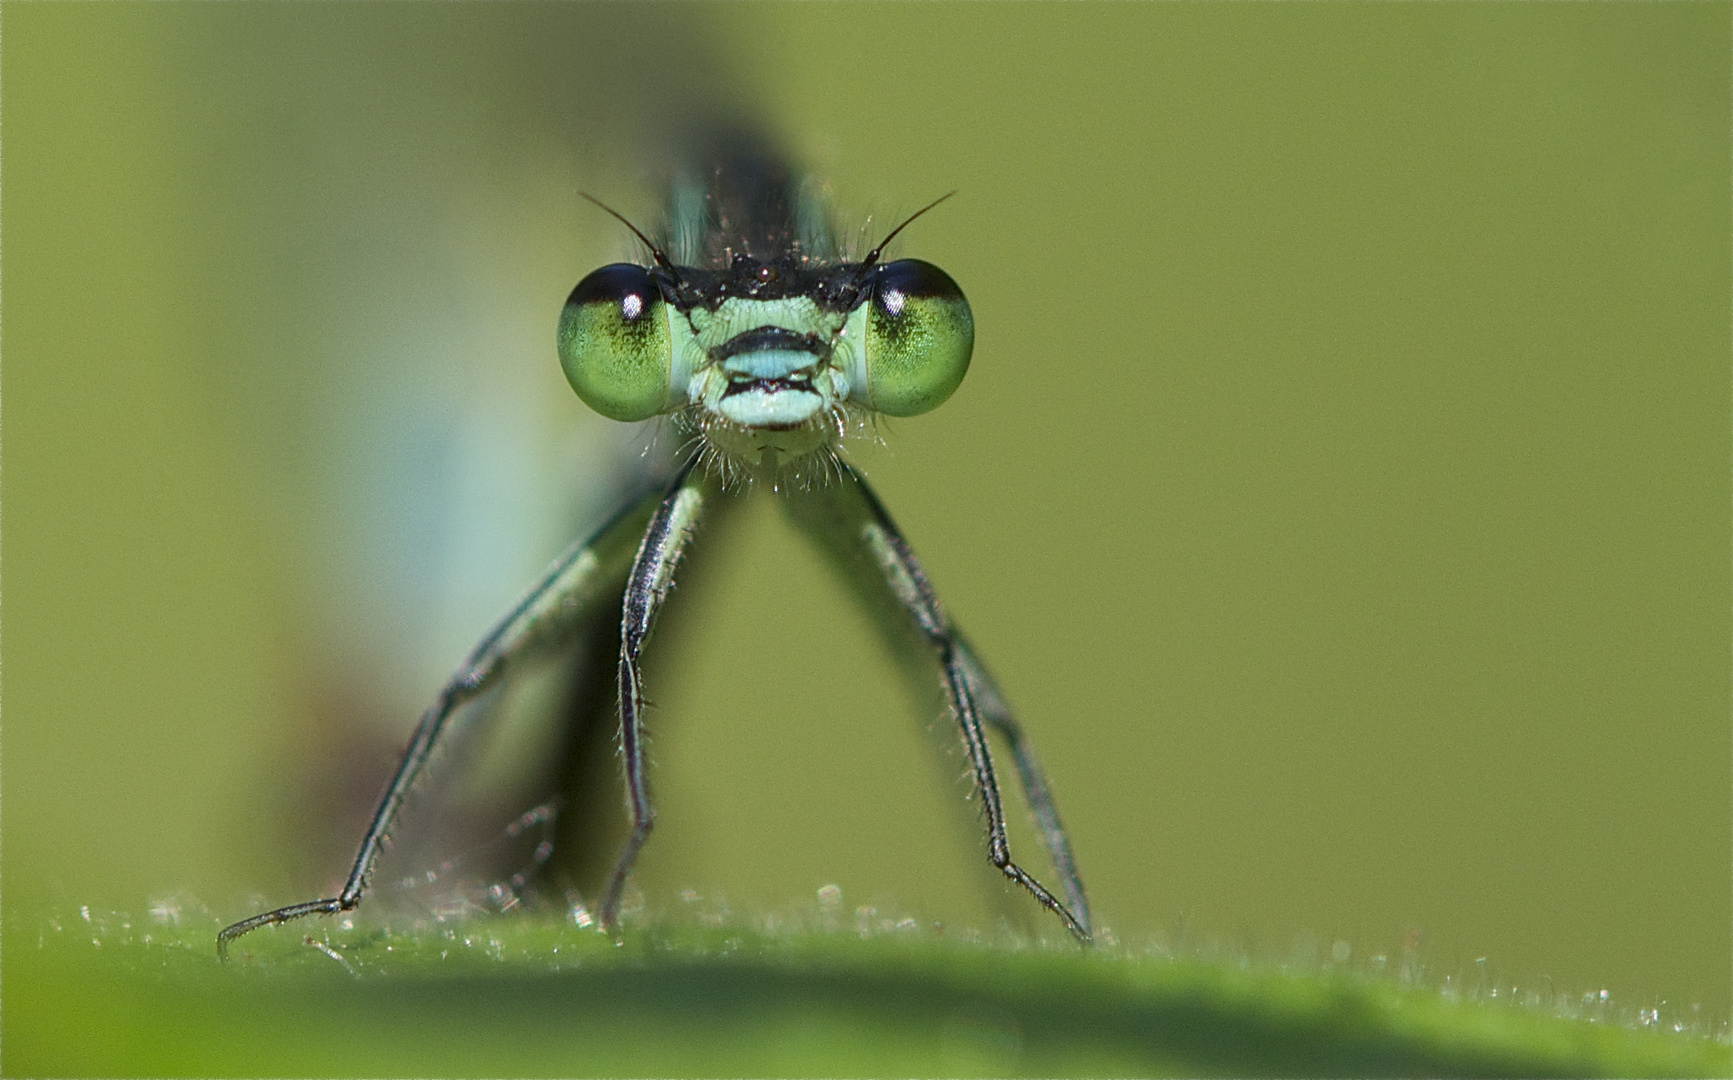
(615, 345)
(919, 334)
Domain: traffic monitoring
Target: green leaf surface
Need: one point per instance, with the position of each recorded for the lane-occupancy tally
(530, 996)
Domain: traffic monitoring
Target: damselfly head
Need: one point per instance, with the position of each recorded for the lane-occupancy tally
(771, 357)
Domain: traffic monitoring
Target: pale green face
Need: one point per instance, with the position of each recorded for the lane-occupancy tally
(761, 365)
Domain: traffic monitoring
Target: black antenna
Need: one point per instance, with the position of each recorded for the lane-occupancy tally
(873, 255)
(656, 252)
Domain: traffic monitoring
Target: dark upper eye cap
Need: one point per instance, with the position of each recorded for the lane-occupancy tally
(915, 279)
(613, 283)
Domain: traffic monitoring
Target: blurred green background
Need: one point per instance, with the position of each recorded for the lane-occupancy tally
(1341, 490)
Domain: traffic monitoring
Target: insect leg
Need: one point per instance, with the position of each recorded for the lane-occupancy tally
(550, 611)
(990, 703)
(848, 520)
(647, 586)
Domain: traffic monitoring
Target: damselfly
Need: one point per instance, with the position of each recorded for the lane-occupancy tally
(754, 333)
